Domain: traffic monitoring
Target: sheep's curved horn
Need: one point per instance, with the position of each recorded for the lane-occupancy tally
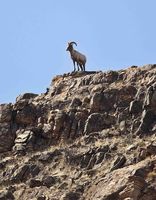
(73, 43)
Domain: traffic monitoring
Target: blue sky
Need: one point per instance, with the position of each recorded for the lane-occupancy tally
(34, 34)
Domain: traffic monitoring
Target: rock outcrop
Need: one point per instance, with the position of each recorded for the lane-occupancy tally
(91, 135)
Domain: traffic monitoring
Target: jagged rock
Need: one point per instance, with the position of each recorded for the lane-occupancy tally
(126, 95)
(122, 114)
(139, 186)
(50, 156)
(24, 172)
(26, 96)
(24, 140)
(27, 115)
(20, 174)
(147, 119)
(140, 95)
(129, 184)
(97, 122)
(5, 113)
(119, 162)
(102, 102)
(71, 196)
(135, 107)
(78, 141)
(92, 162)
(7, 137)
(151, 149)
(59, 123)
(150, 98)
(99, 157)
(49, 181)
(35, 183)
(75, 103)
(146, 151)
(6, 195)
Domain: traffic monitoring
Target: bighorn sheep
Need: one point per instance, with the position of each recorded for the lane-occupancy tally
(76, 56)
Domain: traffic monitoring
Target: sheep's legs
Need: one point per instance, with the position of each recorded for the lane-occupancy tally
(74, 65)
(78, 68)
(81, 66)
(84, 67)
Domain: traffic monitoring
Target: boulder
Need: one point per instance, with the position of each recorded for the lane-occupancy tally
(5, 113)
(26, 116)
(25, 139)
(35, 183)
(24, 172)
(98, 122)
(7, 137)
(48, 181)
(147, 119)
(75, 103)
(102, 102)
(26, 96)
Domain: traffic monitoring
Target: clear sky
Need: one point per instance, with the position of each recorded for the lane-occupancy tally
(113, 34)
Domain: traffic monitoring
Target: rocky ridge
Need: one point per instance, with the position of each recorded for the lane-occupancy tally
(91, 135)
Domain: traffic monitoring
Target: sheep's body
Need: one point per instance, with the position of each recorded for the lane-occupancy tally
(77, 57)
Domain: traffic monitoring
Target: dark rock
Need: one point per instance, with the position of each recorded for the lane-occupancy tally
(20, 105)
(24, 172)
(75, 103)
(2, 164)
(146, 151)
(99, 157)
(20, 174)
(26, 96)
(72, 196)
(6, 195)
(35, 183)
(34, 169)
(5, 113)
(151, 149)
(112, 76)
(7, 137)
(98, 122)
(48, 181)
(92, 162)
(147, 119)
(126, 95)
(118, 163)
(41, 197)
(26, 115)
(102, 102)
(85, 160)
(140, 95)
(135, 107)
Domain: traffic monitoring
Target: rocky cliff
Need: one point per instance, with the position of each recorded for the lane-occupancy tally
(90, 136)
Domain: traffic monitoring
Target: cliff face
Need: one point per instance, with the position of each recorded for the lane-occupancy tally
(92, 135)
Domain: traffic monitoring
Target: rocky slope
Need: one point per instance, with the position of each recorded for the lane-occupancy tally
(91, 136)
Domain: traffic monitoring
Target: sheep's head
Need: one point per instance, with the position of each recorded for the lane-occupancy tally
(70, 46)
